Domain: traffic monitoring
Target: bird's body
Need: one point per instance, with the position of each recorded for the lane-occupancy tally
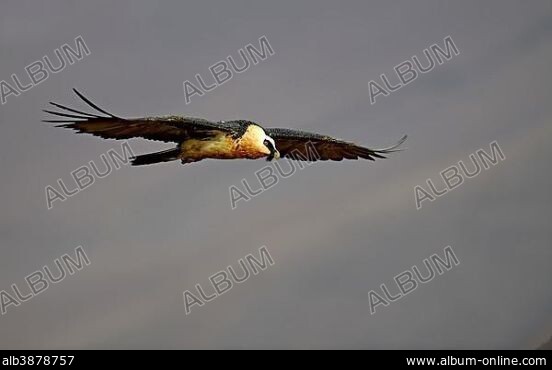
(199, 139)
(224, 146)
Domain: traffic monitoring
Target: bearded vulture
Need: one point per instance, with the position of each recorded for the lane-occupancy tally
(198, 139)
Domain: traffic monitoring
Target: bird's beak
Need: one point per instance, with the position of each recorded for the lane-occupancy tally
(274, 154)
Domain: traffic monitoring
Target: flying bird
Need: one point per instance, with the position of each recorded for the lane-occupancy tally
(198, 139)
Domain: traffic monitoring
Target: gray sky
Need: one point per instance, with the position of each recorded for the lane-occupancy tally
(335, 230)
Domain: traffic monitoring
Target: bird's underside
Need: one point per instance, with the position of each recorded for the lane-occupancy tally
(198, 139)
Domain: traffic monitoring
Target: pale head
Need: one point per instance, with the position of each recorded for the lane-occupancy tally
(258, 143)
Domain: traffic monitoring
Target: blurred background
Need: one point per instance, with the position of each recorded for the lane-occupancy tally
(335, 230)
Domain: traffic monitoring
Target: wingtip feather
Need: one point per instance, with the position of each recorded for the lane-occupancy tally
(394, 148)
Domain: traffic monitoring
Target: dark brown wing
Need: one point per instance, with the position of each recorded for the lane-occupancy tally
(168, 129)
(307, 146)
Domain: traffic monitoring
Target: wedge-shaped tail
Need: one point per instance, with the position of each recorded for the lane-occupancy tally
(152, 158)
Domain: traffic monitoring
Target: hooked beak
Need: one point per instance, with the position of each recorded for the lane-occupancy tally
(274, 154)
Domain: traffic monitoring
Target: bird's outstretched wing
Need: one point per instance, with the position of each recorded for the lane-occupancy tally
(307, 146)
(108, 126)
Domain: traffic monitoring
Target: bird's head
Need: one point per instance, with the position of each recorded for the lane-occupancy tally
(271, 146)
(256, 142)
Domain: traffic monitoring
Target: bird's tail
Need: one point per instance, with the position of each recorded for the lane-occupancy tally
(151, 158)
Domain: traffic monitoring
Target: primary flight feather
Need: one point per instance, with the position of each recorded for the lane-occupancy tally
(199, 139)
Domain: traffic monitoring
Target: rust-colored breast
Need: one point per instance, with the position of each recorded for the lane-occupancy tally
(223, 146)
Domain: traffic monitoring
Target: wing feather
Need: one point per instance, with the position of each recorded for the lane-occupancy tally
(108, 126)
(307, 146)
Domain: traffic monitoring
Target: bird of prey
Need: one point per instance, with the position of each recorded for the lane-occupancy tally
(198, 139)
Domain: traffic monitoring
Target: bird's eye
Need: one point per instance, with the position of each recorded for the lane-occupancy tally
(267, 143)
